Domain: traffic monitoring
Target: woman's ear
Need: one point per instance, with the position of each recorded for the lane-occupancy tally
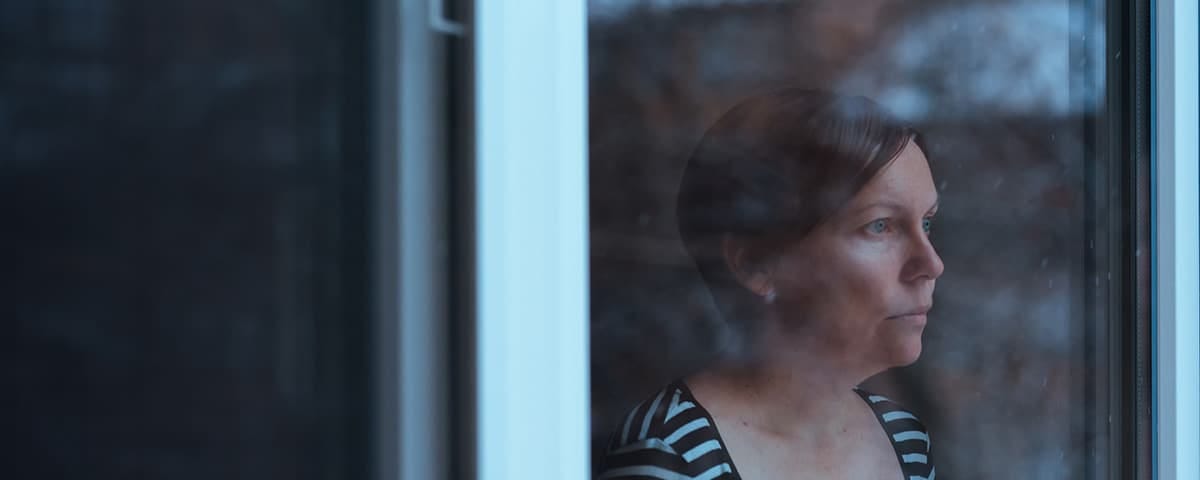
(749, 269)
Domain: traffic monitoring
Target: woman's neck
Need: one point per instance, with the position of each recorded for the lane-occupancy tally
(789, 387)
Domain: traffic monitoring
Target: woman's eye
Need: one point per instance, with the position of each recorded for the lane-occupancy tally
(878, 226)
(927, 224)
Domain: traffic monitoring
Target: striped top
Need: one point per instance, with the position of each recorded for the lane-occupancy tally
(671, 437)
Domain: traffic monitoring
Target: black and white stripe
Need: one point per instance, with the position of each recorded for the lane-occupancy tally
(671, 437)
(667, 437)
(909, 437)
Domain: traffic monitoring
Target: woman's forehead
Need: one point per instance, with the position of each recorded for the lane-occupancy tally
(906, 178)
(905, 183)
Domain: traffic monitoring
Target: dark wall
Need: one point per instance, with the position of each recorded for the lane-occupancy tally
(182, 200)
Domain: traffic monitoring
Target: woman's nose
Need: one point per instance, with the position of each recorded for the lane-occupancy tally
(924, 261)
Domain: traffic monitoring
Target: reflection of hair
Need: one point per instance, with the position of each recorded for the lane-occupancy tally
(774, 167)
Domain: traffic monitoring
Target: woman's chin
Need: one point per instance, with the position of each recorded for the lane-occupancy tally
(907, 351)
(910, 359)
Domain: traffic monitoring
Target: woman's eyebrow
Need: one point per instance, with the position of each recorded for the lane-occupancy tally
(881, 204)
(887, 204)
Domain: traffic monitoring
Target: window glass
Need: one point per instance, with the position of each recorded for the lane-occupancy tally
(1028, 353)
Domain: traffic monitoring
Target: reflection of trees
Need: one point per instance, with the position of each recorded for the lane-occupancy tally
(1002, 373)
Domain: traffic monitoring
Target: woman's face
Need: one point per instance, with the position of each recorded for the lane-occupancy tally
(859, 285)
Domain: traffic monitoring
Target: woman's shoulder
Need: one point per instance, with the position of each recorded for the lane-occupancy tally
(907, 432)
(891, 411)
(652, 418)
(669, 432)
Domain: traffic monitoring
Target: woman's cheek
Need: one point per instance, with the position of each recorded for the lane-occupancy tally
(870, 256)
(868, 278)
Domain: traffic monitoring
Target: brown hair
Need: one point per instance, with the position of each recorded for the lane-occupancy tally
(775, 166)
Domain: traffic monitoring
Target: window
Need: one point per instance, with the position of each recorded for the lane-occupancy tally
(1037, 357)
(439, 238)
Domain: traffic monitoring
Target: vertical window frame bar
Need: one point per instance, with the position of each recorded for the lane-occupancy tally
(412, 251)
(530, 61)
(1175, 230)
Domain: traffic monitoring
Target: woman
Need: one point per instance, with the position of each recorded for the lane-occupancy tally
(808, 215)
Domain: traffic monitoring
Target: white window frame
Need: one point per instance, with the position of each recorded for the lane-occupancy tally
(1176, 316)
(532, 243)
(532, 359)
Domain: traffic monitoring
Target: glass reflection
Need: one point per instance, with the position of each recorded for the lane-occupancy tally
(1008, 95)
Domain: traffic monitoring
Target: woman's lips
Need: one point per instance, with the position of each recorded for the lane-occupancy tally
(915, 314)
(912, 317)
